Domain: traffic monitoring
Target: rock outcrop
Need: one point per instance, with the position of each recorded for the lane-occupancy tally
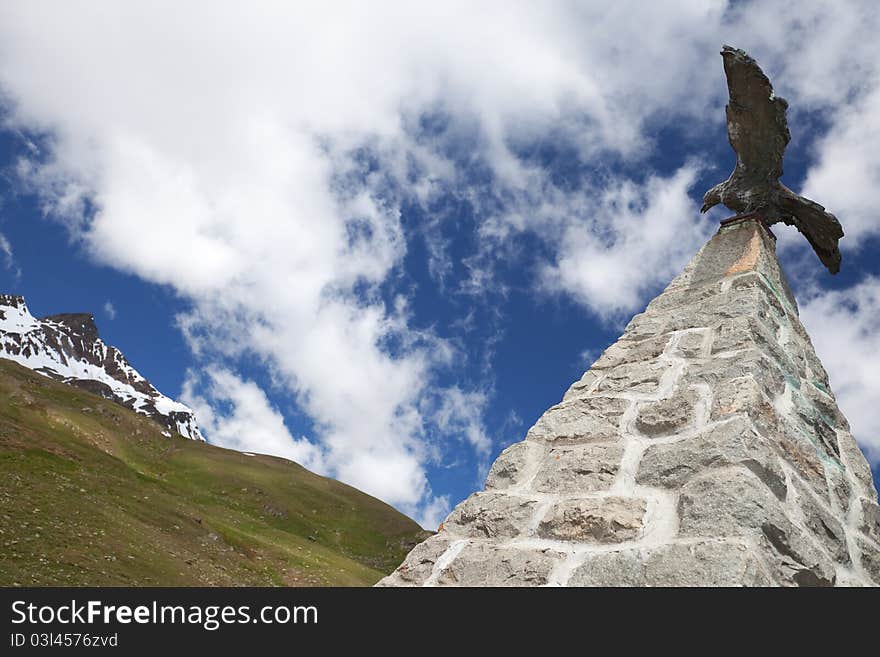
(67, 348)
(703, 448)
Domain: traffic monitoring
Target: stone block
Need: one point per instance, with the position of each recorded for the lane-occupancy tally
(751, 363)
(754, 285)
(738, 333)
(675, 297)
(643, 326)
(815, 370)
(631, 351)
(870, 559)
(742, 396)
(594, 520)
(511, 466)
(583, 386)
(701, 563)
(490, 515)
(419, 563)
(486, 564)
(800, 451)
(731, 443)
(822, 523)
(855, 463)
(633, 377)
(815, 424)
(576, 469)
(728, 252)
(869, 519)
(692, 344)
(591, 419)
(667, 416)
(819, 396)
(734, 502)
(839, 489)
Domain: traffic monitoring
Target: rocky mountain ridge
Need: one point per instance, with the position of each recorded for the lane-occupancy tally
(67, 348)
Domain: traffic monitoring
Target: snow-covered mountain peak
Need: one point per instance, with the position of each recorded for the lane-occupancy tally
(14, 315)
(67, 347)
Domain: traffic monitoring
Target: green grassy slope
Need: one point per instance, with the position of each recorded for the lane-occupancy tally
(94, 494)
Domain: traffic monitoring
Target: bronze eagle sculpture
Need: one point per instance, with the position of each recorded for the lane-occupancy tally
(758, 131)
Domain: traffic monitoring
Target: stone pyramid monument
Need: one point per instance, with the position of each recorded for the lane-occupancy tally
(704, 448)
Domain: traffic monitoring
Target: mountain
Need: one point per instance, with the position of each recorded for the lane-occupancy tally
(67, 348)
(92, 493)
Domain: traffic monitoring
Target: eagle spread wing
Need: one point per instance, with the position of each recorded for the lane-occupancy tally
(758, 132)
(756, 123)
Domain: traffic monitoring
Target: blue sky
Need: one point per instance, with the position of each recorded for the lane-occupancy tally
(382, 243)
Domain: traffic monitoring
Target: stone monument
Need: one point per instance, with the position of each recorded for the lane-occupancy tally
(704, 448)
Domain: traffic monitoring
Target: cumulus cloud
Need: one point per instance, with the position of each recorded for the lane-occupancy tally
(628, 238)
(846, 176)
(258, 163)
(238, 415)
(845, 328)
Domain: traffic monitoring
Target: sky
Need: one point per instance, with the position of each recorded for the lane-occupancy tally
(380, 239)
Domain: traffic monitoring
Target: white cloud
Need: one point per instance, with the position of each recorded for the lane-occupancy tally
(844, 326)
(846, 176)
(817, 53)
(460, 413)
(238, 415)
(110, 310)
(221, 159)
(8, 256)
(611, 252)
(434, 513)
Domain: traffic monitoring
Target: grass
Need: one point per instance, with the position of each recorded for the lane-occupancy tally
(92, 494)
